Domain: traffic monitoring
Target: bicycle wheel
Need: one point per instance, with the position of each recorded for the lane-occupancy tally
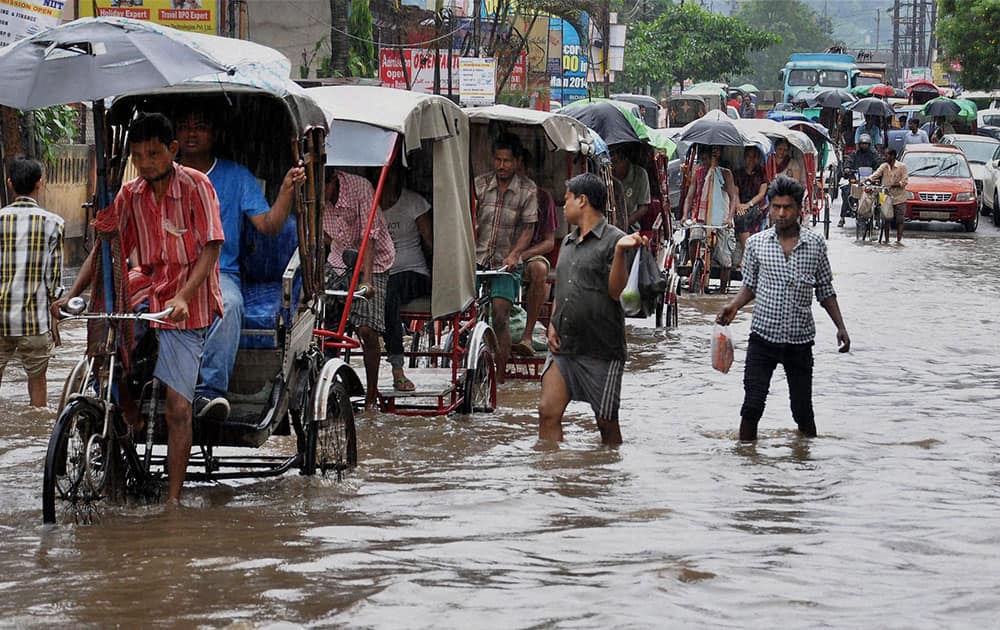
(421, 343)
(75, 383)
(81, 467)
(696, 280)
(332, 440)
(480, 385)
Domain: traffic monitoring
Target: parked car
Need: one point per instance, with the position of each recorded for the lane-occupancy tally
(989, 117)
(941, 187)
(982, 154)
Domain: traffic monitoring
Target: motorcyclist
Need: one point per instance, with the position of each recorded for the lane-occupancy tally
(863, 157)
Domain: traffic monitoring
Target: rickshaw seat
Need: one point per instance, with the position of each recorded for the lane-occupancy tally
(420, 305)
(264, 260)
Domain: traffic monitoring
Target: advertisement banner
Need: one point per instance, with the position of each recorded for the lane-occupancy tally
(22, 18)
(419, 64)
(571, 83)
(198, 16)
(477, 80)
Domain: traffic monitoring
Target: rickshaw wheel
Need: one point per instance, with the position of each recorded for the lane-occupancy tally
(75, 382)
(480, 385)
(332, 441)
(694, 280)
(81, 469)
(659, 311)
(421, 343)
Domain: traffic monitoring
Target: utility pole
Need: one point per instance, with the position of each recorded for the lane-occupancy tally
(605, 56)
(878, 27)
(895, 41)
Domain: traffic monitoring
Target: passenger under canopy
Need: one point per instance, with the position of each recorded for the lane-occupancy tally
(366, 124)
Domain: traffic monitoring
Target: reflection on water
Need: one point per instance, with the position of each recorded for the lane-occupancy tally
(888, 519)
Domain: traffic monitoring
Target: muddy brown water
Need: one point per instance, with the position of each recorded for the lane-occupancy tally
(891, 518)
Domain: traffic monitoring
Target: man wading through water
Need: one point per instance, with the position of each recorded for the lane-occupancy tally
(782, 267)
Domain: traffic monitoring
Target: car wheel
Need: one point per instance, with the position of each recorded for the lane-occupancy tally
(996, 209)
(971, 224)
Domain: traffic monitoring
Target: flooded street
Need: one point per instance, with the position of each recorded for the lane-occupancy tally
(889, 519)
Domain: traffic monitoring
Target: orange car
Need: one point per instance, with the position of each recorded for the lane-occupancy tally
(941, 187)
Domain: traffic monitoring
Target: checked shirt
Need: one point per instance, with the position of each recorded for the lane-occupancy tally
(783, 287)
(500, 217)
(31, 253)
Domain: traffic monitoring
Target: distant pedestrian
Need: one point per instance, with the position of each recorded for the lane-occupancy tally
(31, 253)
(783, 266)
(916, 135)
(894, 176)
(586, 336)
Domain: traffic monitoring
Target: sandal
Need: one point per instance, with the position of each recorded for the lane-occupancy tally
(403, 384)
(522, 349)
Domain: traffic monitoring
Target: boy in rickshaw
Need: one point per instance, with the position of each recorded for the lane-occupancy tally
(506, 213)
(168, 216)
(408, 219)
(240, 196)
(635, 184)
(536, 265)
(349, 199)
(711, 200)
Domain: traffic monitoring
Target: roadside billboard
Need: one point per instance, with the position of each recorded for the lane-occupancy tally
(199, 16)
(22, 18)
(568, 77)
(419, 64)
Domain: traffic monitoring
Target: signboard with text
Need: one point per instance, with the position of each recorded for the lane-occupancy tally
(419, 65)
(570, 84)
(23, 18)
(477, 80)
(198, 16)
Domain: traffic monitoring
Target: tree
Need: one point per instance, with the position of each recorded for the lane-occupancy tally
(338, 37)
(968, 32)
(688, 42)
(798, 26)
(361, 60)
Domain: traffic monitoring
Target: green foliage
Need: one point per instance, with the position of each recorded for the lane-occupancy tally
(361, 59)
(688, 42)
(969, 31)
(798, 26)
(53, 126)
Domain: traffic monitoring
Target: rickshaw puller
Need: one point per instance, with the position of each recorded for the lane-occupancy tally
(349, 199)
(711, 200)
(169, 215)
(506, 213)
(239, 196)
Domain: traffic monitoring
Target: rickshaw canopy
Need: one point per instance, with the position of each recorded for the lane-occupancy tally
(564, 133)
(383, 113)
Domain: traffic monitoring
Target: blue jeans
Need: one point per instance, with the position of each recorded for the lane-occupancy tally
(223, 341)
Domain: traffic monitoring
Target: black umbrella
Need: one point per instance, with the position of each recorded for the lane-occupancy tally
(941, 106)
(870, 107)
(832, 98)
(606, 119)
(712, 128)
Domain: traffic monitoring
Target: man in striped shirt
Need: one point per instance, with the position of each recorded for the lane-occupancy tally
(169, 216)
(31, 250)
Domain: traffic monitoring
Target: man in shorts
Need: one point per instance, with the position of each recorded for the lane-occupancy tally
(535, 270)
(506, 213)
(169, 216)
(349, 199)
(894, 176)
(31, 239)
(587, 334)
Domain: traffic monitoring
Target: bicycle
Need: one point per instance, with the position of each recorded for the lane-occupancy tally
(868, 216)
(701, 259)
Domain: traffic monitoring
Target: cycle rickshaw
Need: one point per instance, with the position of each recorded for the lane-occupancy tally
(452, 349)
(559, 147)
(281, 384)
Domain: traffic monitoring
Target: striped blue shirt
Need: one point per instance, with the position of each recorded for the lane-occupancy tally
(31, 257)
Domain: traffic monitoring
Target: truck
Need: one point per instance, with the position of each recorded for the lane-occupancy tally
(814, 72)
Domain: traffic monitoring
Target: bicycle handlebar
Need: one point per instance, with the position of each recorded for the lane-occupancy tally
(360, 294)
(77, 305)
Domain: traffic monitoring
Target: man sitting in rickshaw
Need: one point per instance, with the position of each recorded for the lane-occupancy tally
(506, 213)
(536, 265)
(635, 184)
(407, 216)
(349, 199)
(240, 196)
(711, 200)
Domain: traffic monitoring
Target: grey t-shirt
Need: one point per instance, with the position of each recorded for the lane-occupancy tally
(402, 222)
(635, 186)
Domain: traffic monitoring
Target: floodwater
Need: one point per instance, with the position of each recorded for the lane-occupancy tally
(891, 518)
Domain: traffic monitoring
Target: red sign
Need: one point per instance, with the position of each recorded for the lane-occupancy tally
(419, 63)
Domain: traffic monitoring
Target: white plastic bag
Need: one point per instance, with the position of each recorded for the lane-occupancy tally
(631, 299)
(722, 349)
(886, 202)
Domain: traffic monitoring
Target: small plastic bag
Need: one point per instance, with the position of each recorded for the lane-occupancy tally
(631, 298)
(722, 349)
(886, 205)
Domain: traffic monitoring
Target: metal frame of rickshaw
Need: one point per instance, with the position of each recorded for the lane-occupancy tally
(566, 142)
(465, 353)
(295, 388)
